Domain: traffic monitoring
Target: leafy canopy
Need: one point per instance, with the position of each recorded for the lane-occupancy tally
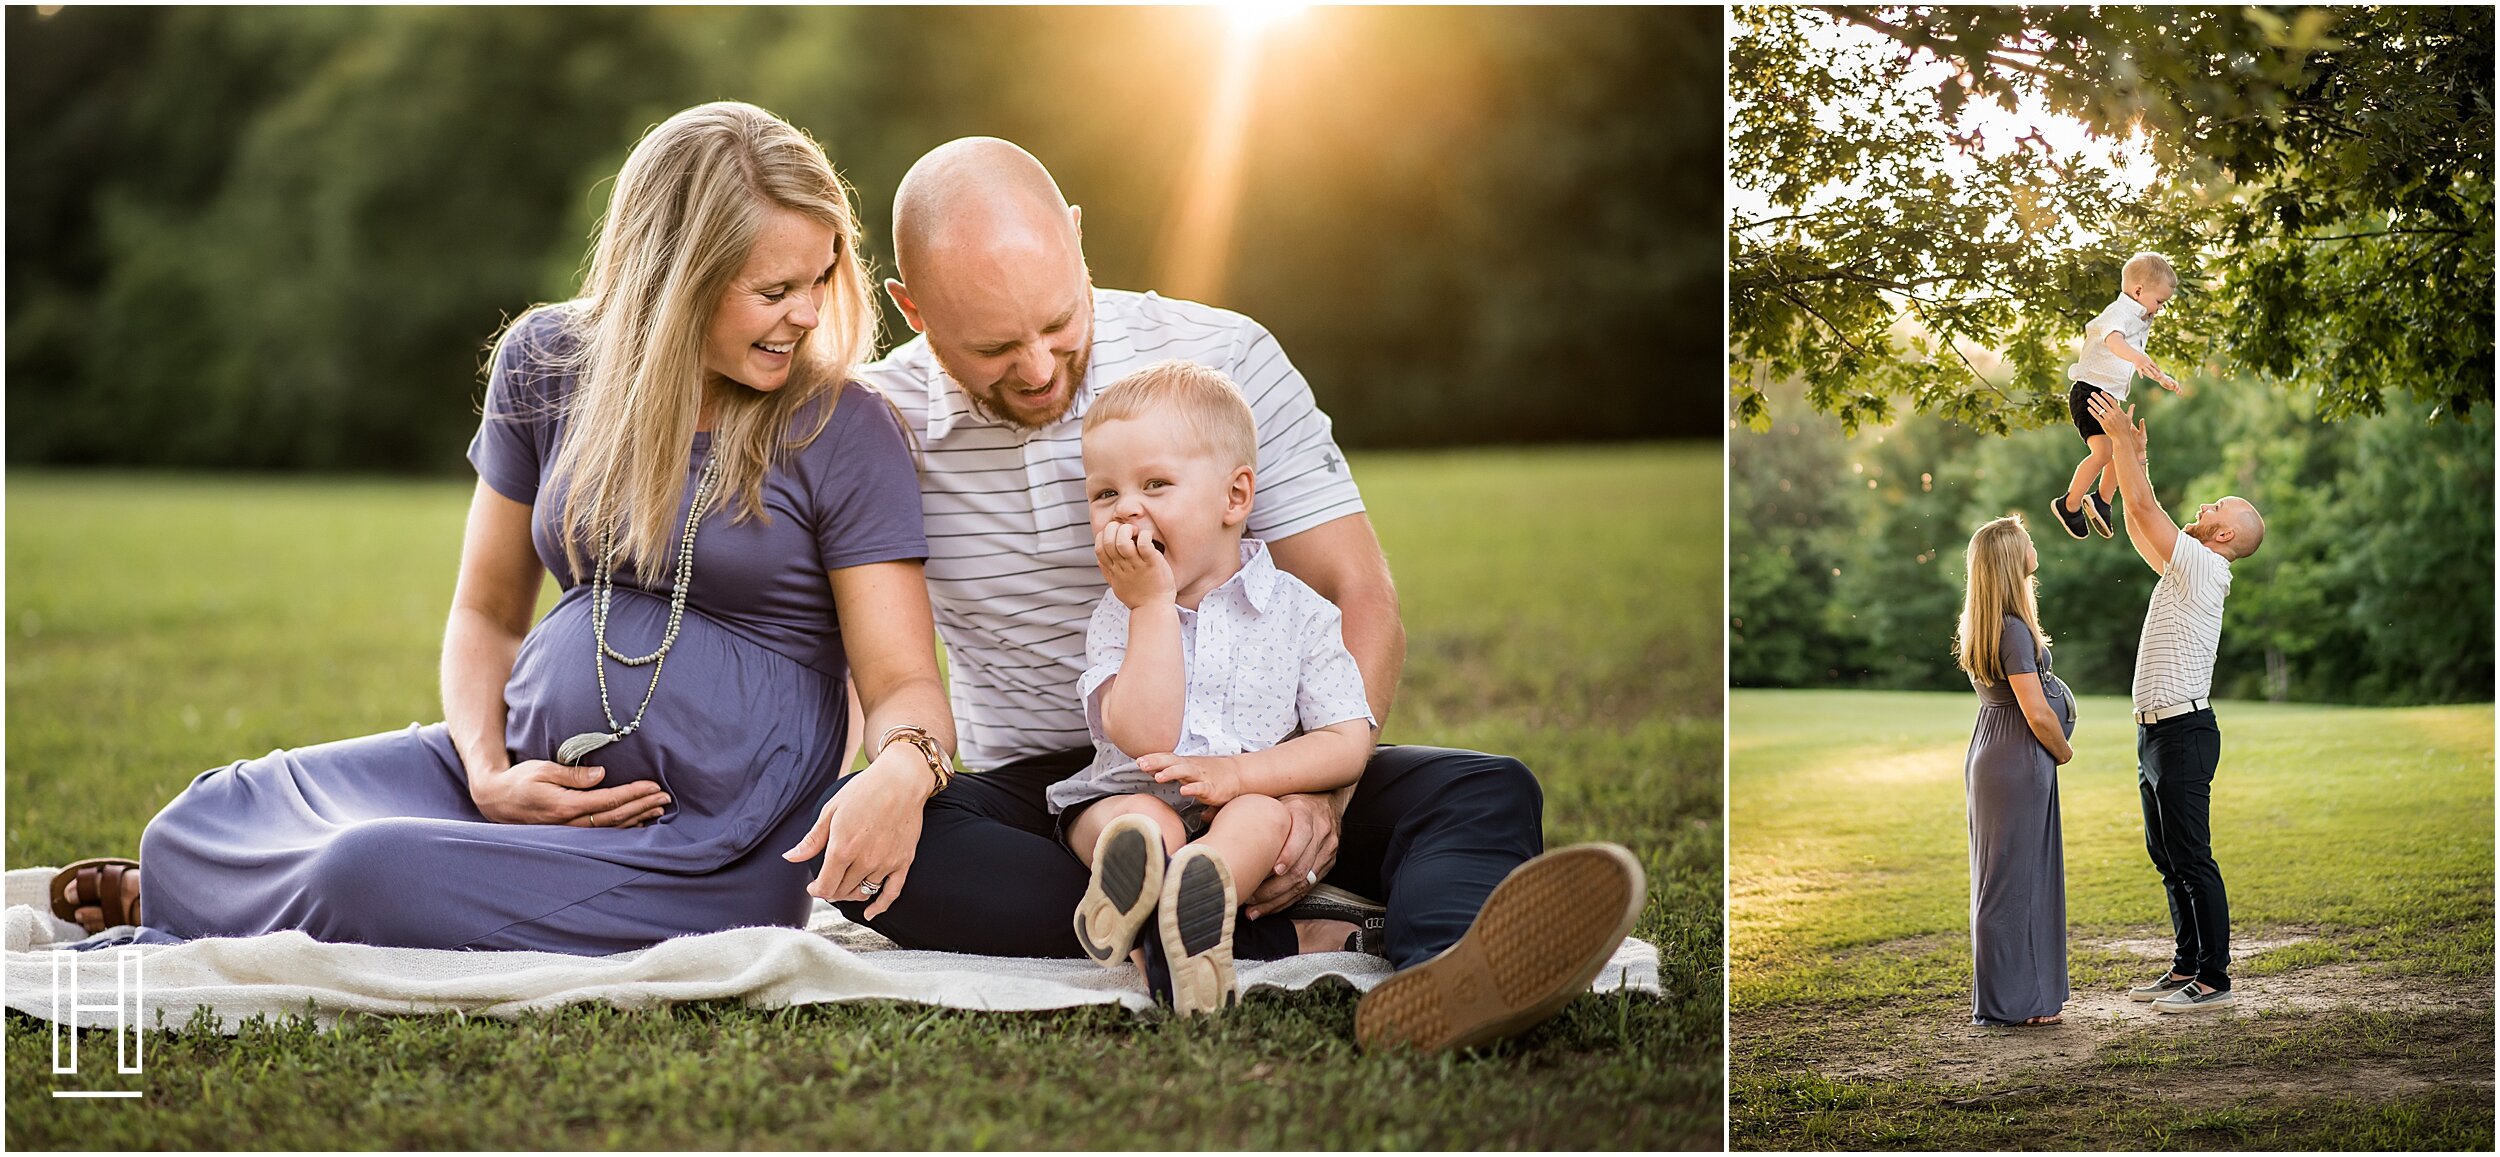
(2321, 177)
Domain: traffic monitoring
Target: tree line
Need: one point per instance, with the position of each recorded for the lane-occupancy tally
(281, 238)
(2374, 585)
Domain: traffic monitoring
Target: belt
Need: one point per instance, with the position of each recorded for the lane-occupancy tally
(2173, 711)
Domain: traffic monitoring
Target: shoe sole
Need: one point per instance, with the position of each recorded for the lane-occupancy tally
(1328, 903)
(2092, 519)
(1195, 918)
(1120, 895)
(1542, 936)
(2148, 997)
(2207, 1006)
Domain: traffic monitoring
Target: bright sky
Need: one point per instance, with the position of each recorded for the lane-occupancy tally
(1999, 128)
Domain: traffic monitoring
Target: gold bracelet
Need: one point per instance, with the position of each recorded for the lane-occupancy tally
(927, 745)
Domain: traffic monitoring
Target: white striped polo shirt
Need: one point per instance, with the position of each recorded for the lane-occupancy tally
(1011, 551)
(2174, 660)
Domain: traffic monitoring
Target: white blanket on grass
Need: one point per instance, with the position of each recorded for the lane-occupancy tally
(291, 974)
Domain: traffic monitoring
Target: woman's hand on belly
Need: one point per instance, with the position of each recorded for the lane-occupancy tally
(539, 791)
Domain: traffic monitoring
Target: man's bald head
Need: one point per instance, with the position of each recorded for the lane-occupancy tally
(979, 194)
(2232, 527)
(992, 274)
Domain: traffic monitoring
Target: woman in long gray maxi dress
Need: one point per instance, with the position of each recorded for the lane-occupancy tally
(2017, 853)
(805, 567)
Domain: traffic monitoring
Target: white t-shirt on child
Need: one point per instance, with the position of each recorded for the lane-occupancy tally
(2096, 365)
(1264, 658)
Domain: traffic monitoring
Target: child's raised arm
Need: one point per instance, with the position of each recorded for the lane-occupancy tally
(2117, 343)
(1141, 706)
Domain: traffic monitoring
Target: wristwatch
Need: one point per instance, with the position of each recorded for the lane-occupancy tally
(927, 745)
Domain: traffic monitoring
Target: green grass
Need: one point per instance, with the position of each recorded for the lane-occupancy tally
(2366, 831)
(1562, 606)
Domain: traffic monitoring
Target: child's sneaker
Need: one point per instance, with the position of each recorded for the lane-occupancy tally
(1195, 917)
(2096, 509)
(2072, 520)
(1120, 897)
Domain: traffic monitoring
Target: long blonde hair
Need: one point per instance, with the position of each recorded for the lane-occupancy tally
(681, 222)
(1996, 584)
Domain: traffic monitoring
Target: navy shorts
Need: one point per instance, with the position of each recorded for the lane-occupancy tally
(2079, 403)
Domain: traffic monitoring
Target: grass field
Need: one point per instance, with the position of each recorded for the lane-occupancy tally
(1562, 606)
(2357, 848)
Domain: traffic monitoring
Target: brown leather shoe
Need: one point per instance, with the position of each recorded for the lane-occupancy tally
(1541, 937)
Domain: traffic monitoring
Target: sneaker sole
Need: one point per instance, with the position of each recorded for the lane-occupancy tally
(1329, 902)
(1128, 858)
(1195, 918)
(2092, 519)
(2207, 1006)
(1542, 936)
(2141, 997)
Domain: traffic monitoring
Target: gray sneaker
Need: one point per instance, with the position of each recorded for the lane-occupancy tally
(2194, 997)
(1370, 917)
(2158, 989)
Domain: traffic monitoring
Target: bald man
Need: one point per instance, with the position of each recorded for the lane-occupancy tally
(1013, 341)
(2178, 745)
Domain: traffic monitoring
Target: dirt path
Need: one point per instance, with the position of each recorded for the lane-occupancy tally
(2107, 1038)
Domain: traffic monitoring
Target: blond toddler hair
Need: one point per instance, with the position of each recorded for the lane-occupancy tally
(1209, 405)
(2145, 270)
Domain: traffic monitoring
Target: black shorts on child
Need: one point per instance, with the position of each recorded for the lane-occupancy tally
(2079, 402)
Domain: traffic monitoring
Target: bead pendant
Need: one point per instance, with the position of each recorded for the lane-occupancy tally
(581, 745)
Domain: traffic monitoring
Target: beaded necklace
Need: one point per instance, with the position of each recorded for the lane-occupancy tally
(602, 588)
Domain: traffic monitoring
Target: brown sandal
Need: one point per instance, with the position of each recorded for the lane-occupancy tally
(103, 900)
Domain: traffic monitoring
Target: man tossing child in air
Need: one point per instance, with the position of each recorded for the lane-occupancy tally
(2113, 352)
(1214, 683)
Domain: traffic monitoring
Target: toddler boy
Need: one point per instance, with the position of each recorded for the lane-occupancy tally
(1215, 682)
(2113, 352)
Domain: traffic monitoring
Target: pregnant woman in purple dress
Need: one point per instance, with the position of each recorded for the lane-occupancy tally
(736, 530)
(2017, 851)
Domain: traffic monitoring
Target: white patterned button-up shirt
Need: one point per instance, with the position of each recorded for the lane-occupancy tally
(1264, 660)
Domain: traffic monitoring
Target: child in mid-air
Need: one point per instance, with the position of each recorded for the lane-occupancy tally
(2113, 352)
(1215, 682)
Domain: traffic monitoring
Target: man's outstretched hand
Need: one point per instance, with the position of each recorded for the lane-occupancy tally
(2125, 432)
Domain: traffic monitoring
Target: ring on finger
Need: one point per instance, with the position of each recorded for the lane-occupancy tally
(870, 887)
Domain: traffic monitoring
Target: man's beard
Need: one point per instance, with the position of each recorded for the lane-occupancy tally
(992, 400)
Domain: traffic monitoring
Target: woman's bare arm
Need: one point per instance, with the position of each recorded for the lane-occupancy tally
(490, 613)
(2041, 716)
(871, 829)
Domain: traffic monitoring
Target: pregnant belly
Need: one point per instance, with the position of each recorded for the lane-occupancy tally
(733, 727)
(2061, 701)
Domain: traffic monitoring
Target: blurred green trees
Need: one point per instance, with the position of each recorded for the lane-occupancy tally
(281, 238)
(2374, 584)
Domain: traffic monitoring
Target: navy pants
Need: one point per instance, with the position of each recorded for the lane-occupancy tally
(2175, 761)
(1430, 831)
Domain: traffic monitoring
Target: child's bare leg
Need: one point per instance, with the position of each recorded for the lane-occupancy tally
(1249, 833)
(2092, 469)
(1250, 838)
(1098, 815)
